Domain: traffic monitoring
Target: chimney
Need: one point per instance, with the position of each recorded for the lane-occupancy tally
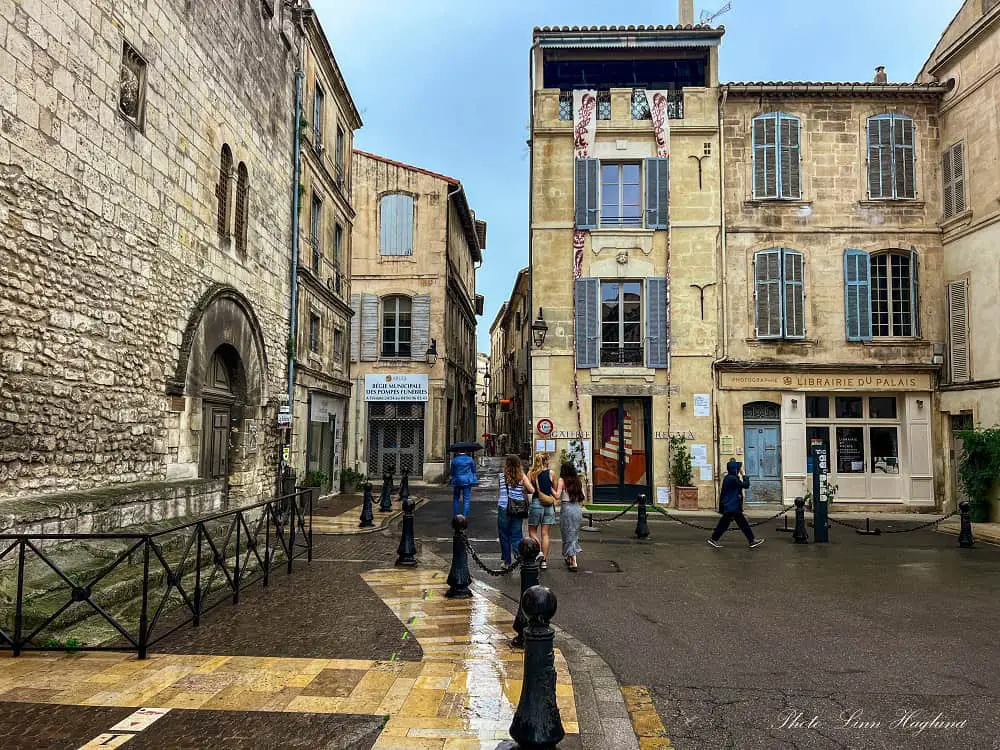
(880, 76)
(685, 12)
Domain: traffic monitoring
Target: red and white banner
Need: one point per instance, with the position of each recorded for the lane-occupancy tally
(658, 101)
(584, 122)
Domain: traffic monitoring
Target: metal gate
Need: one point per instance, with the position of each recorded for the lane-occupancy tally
(395, 438)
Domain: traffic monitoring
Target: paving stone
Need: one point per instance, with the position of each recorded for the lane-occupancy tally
(37, 726)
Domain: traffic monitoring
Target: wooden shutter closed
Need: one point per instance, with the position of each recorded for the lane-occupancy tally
(915, 291)
(953, 176)
(586, 193)
(857, 295)
(657, 310)
(793, 294)
(789, 175)
(958, 331)
(904, 176)
(587, 322)
(767, 294)
(420, 336)
(396, 224)
(879, 157)
(765, 150)
(369, 327)
(356, 328)
(658, 193)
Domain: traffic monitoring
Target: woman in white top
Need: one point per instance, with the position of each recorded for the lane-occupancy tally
(513, 486)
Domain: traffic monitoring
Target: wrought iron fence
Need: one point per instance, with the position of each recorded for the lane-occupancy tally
(640, 106)
(152, 584)
(624, 355)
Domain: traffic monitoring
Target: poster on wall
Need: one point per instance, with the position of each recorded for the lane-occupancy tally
(702, 404)
(663, 496)
(396, 388)
(699, 454)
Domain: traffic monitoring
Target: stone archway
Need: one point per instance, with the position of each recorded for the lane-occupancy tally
(222, 372)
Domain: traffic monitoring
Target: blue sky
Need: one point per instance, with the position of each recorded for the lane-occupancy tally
(443, 84)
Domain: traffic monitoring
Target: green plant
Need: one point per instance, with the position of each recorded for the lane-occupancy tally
(680, 465)
(351, 479)
(71, 646)
(979, 467)
(315, 479)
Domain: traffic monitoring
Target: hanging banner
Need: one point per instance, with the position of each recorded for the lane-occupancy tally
(584, 122)
(658, 109)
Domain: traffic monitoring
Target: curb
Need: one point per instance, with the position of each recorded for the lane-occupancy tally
(980, 537)
(387, 519)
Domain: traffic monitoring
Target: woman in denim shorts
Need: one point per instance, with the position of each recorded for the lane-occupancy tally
(542, 515)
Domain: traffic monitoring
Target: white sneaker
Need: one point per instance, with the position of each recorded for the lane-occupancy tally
(713, 543)
(756, 543)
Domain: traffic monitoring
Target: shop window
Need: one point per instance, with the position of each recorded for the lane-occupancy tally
(882, 407)
(885, 449)
(817, 407)
(850, 450)
(849, 407)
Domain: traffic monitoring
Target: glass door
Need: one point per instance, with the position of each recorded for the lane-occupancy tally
(621, 452)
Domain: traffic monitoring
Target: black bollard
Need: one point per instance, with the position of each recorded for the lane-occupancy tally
(404, 484)
(385, 498)
(367, 513)
(868, 530)
(641, 525)
(800, 535)
(407, 544)
(537, 723)
(459, 576)
(527, 553)
(965, 535)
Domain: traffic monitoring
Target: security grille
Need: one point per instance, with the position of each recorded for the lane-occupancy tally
(396, 438)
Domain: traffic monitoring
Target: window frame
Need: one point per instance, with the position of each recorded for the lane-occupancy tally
(893, 147)
(383, 237)
(619, 344)
(640, 204)
(762, 148)
(395, 353)
(315, 323)
(876, 260)
(319, 104)
(315, 230)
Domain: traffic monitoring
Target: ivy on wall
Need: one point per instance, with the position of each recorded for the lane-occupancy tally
(979, 466)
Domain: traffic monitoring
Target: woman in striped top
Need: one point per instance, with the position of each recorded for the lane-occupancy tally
(513, 485)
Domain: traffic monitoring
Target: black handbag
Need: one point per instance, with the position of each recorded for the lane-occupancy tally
(516, 508)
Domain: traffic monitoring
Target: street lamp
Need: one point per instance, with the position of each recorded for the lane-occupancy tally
(432, 353)
(538, 330)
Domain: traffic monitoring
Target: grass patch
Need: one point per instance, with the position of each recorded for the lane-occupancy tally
(610, 508)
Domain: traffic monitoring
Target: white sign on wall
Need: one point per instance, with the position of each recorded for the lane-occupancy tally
(396, 388)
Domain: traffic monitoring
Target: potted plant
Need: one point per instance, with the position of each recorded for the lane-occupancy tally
(351, 480)
(315, 479)
(681, 476)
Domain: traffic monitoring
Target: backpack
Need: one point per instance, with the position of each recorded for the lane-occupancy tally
(515, 508)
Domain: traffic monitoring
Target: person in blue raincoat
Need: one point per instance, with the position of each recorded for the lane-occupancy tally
(463, 476)
(731, 505)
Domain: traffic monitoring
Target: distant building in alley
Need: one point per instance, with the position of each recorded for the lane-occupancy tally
(510, 350)
(417, 246)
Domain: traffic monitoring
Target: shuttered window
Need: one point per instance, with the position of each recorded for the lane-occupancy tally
(894, 288)
(314, 228)
(621, 201)
(396, 224)
(356, 328)
(777, 169)
(891, 158)
(396, 327)
(857, 295)
(953, 174)
(421, 326)
(587, 182)
(958, 331)
(657, 310)
(369, 327)
(587, 322)
(779, 294)
(657, 193)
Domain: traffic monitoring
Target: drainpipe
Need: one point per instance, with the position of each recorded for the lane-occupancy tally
(528, 409)
(722, 308)
(293, 313)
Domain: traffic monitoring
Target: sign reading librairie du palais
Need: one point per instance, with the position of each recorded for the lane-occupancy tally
(396, 388)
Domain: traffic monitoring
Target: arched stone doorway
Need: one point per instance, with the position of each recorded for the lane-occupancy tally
(222, 375)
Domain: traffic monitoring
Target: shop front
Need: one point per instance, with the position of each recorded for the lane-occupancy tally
(875, 427)
(396, 412)
(325, 438)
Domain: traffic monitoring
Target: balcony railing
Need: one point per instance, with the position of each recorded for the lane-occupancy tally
(603, 105)
(628, 356)
(640, 108)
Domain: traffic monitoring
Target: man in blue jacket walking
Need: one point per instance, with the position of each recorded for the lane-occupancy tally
(731, 505)
(463, 476)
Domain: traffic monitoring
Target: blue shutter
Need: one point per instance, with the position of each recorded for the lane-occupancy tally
(915, 290)
(587, 322)
(764, 134)
(767, 294)
(880, 171)
(904, 181)
(857, 295)
(793, 294)
(657, 310)
(658, 193)
(586, 193)
(789, 173)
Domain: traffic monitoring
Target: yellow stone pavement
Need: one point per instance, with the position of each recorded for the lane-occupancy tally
(461, 695)
(645, 720)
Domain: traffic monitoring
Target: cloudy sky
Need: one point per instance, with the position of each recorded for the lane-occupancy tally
(443, 84)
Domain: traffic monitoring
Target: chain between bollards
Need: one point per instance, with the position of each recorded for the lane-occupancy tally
(616, 516)
(501, 571)
(679, 520)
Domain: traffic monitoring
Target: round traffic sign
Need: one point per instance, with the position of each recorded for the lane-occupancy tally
(545, 426)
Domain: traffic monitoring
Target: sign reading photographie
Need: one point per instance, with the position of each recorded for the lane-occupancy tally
(396, 388)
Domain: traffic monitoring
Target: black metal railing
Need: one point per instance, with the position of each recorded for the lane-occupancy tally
(176, 574)
(621, 355)
(675, 105)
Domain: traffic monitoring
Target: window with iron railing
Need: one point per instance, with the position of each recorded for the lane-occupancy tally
(640, 106)
(317, 210)
(603, 105)
(621, 323)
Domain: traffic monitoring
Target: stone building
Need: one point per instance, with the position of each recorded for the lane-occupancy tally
(320, 417)
(966, 61)
(510, 351)
(483, 376)
(625, 223)
(145, 154)
(833, 310)
(416, 248)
